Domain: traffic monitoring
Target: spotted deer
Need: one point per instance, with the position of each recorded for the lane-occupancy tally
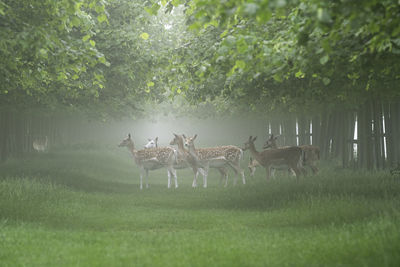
(288, 156)
(152, 159)
(185, 160)
(215, 157)
(152, 143)
(311, 153)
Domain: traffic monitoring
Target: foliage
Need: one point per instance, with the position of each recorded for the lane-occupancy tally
(48, 52)
(293, 54)
(117, 57)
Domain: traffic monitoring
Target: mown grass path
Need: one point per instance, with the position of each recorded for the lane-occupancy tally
(84, 208)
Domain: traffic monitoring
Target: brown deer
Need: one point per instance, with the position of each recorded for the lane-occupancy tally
(152, 159)
(289, 156)
(215, 157)
(311, 153)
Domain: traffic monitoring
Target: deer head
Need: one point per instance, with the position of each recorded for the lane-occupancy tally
(250, 143)
(127, 142)
(152, 143)
(271, 142)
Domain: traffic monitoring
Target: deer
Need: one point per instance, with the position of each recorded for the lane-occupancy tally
(185, 160)
(152, 143)
(40, 144)
(311, 153)
(152, 159)
(290, 156)
(253, 164)
(215, 157)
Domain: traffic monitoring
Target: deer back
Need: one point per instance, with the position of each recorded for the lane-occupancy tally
(311, 152)
(287, 155)
(164, 155)
(230, 153)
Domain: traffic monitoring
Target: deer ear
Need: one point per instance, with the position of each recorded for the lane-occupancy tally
(156, 138)
(276, 137)
(184, 136)
(254, 139)
(195, 136)
(129, 136)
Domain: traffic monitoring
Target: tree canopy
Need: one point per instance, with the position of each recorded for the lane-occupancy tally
(117, 57)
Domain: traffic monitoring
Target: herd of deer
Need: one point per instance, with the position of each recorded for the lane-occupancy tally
(200, 160)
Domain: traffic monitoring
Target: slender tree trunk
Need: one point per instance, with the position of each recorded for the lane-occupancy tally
(324, 136)
(389, 134)
(289, 134)
(316, 130)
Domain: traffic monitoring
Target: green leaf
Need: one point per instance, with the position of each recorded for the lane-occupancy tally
(250, 9)
(323, 60)
(150, 84)
(176, 2)
(144, 36)
(92, 43)
(240, 64)
(326, 81)
(300, 74)
(86, 37)
(153, 10)
(241, 46)
(102, 18)
(277, 77)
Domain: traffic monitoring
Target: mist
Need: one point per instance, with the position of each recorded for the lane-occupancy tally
(211, 132)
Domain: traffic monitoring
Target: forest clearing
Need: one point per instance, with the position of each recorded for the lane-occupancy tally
(199, 133)
(81, 211)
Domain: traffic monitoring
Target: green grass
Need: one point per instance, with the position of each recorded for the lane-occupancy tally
(84, 208)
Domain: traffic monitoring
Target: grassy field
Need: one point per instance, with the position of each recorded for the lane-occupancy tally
(84, 208)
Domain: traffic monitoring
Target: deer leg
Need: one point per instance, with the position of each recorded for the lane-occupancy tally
(252, 170)
(169, 178)
(206, 169)
(314, 168)
(268, 172)
(196, 172)
(298, 172)
(272, 172)
(147, 178)
(175, 177)
(141, 178)
(224, 176)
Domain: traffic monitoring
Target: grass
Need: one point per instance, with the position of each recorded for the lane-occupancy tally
(84, 208)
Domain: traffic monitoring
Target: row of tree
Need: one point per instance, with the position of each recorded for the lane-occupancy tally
(337, 59)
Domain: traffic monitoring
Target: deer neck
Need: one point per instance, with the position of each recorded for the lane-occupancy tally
(131, 148)
(192, 152)
(181, 147)
(255, 153)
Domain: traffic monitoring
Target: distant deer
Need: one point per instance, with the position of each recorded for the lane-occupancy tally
(152, 159)
(40, 144)
(152, 143)
(289, 156)
(311, 153)
(215, 157)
